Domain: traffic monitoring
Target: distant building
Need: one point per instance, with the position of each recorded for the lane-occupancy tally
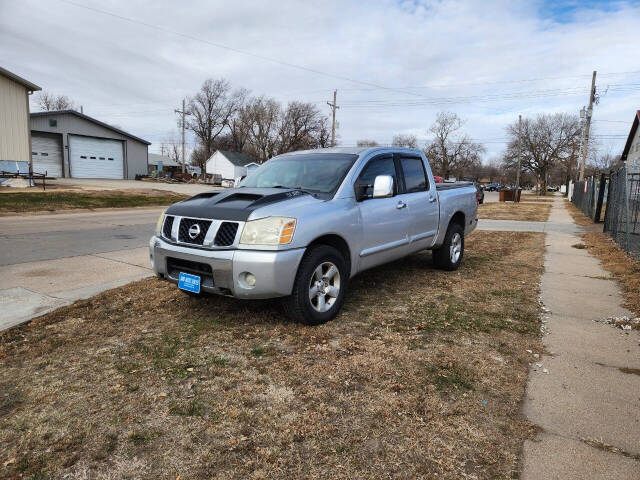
(631, 153)
(15, 141)
(67, 143)
(230, 165)
(169, 165)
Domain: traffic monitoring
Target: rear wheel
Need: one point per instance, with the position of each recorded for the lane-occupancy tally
(319, 288)
(449, 255)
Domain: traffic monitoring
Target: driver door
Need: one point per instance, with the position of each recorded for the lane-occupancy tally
(385, 221)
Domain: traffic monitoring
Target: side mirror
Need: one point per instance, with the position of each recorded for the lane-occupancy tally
(383, 186)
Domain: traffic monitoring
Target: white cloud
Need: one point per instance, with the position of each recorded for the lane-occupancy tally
(134, 76)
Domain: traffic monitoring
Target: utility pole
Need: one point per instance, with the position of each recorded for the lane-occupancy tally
(519, 154)
(592, 97)
(334, 107)
(183, 113)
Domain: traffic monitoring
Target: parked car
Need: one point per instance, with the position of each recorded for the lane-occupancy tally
(306, 222)
(492, 187)
(438, 179)
(193, 170)
(479, 193)
(552, 189)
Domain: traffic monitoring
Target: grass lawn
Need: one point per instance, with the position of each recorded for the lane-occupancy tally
(535, 212)
(51, 201)
(420, 376)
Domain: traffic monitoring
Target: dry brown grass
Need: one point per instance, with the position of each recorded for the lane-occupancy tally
(624, 268)
(532, 197)
(577, 215)
(535, 212)
(420, 376)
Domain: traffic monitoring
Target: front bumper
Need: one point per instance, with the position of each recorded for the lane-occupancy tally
(222, 271)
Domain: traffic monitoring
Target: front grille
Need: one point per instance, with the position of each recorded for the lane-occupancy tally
(203, 270)
(226, 234)
(186, 224)
(167, 227)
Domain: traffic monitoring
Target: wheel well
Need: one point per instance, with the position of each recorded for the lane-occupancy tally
(458, 218)
(337, 242)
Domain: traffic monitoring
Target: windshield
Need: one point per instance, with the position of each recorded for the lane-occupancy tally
(317, 172)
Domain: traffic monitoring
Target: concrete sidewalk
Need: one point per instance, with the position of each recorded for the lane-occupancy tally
(583, 396)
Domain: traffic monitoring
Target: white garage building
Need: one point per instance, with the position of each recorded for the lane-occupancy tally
(230, 165)
(70, 144)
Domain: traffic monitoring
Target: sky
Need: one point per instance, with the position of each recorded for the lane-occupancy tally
(395, 64)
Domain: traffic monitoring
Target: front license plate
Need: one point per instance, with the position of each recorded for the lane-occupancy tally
(188, 282)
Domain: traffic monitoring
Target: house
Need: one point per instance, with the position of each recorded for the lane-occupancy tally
(15, 141)
(169, 165)
(67, 143)
(229, 165)
(631, 153)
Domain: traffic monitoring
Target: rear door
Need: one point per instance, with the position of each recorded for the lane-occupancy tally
(421, 199)
(385, 223)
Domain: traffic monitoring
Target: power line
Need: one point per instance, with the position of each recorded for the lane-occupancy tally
(233, 49)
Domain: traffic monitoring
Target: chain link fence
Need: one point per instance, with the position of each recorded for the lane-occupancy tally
(622, 218)
(589, 194)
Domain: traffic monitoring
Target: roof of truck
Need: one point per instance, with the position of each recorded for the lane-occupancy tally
(353, 150)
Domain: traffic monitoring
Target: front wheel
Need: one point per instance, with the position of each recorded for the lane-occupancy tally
(319, 288)
(449, 255)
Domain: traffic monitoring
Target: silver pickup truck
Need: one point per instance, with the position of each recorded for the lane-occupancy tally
(303, 223)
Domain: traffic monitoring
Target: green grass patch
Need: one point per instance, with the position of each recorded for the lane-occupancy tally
(37, 201)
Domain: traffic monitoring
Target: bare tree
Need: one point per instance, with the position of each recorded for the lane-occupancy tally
(451, 152)
(210, 112)
(263, 117)
(301, 127)
(367, 143)
(402, 140)
(49, 102)
(545, 142)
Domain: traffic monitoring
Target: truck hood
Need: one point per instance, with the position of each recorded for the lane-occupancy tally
(239, 203)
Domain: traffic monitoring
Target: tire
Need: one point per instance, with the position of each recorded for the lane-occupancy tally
(326, 267)
(445, 257)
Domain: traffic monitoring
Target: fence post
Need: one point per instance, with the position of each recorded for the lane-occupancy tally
(626, 209)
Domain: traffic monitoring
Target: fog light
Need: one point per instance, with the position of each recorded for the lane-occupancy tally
(250, 279)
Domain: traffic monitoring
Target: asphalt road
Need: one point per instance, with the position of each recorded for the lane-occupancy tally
(47, 261)
(47, 237)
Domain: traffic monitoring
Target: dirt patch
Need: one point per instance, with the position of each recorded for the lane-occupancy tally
(420, 376)
(623, 267)
(534, 212)
(34, 201)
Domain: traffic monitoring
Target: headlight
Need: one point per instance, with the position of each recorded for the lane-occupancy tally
(159, 222)
(268, 231)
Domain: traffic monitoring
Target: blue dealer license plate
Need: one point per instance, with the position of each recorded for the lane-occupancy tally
(188, 282)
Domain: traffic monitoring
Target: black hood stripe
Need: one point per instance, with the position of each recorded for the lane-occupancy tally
(234, 204)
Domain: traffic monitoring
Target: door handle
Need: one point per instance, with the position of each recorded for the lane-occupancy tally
(400, 205)
(432, 199)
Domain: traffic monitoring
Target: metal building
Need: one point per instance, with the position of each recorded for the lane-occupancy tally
(14, 116)
(70, 144)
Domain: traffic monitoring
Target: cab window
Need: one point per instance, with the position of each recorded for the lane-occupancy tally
(415, 178)
(375, 167)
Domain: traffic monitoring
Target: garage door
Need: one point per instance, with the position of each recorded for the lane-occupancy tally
(46, 152)
(95, 157)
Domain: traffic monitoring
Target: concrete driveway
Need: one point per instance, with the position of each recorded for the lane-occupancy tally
(47, 261)
(106, 184)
